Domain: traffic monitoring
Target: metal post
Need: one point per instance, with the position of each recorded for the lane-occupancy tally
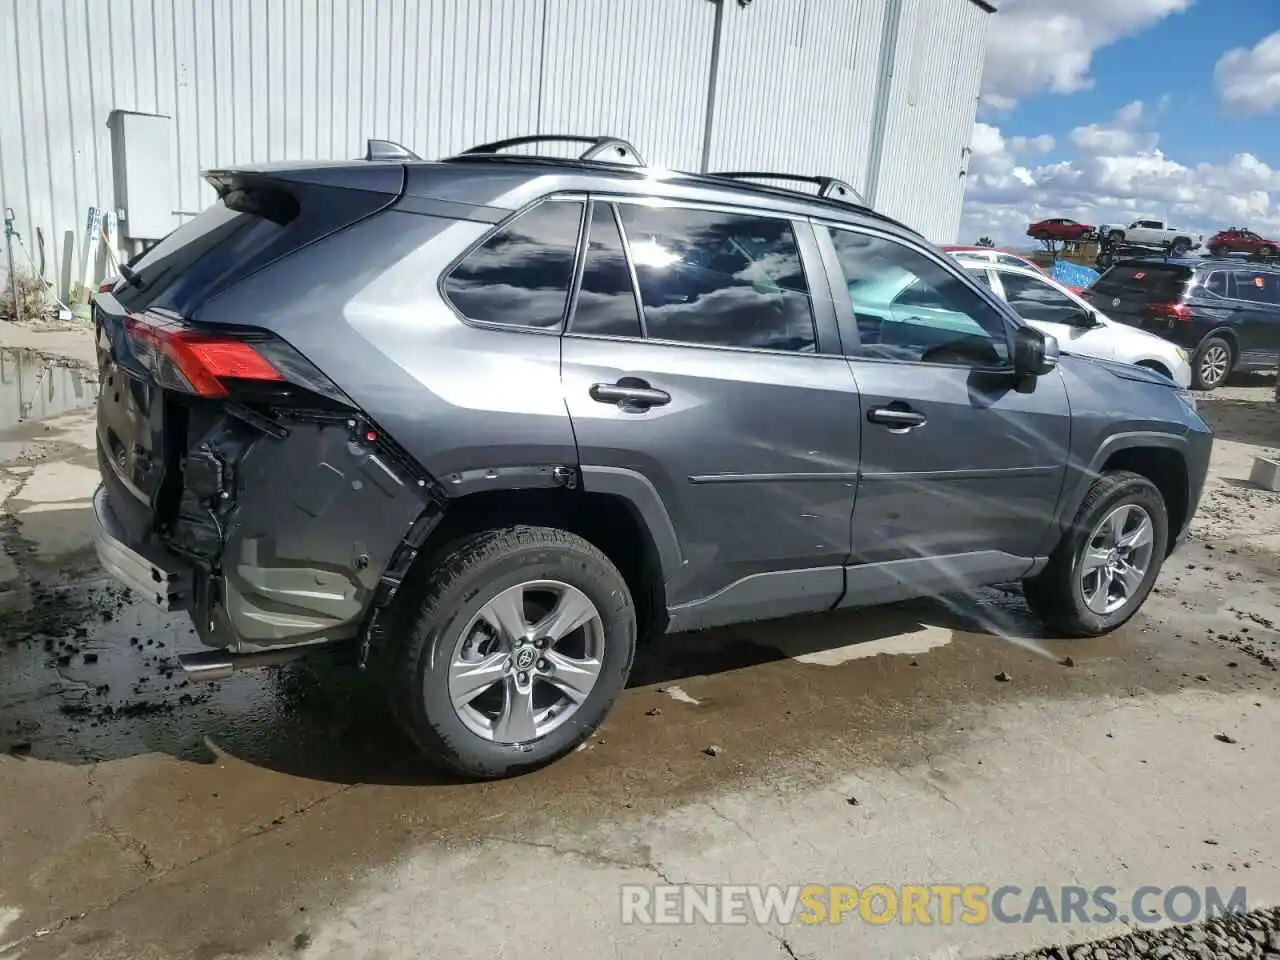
(717, 40)
(9, 233)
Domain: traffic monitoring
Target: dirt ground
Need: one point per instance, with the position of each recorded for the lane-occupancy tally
(281, 813)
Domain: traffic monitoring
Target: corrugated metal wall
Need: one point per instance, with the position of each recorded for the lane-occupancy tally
(258, 80)
(932, 100)
(797, 87)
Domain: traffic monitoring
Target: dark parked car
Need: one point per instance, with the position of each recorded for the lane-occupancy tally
(1240, 240)
(1060, 228)
(496, 418)
(1225, 313)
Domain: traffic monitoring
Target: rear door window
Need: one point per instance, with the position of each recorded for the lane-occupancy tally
(520, 276)
(719, 278)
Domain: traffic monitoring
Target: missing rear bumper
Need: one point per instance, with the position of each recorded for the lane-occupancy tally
(160, 578)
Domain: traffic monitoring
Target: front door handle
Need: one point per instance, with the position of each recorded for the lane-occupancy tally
(897, 418)
(629, 392)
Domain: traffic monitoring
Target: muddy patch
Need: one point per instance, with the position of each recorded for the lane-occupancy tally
(33, 387)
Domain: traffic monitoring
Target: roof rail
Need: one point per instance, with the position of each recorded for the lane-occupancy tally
(387, 150)
(829, 188)
(607, 149)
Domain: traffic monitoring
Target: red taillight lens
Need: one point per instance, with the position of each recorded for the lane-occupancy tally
(106, 285)
(1172, 311)
(200, 361)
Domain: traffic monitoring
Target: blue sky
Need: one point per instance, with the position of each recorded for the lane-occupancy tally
(1111, 109)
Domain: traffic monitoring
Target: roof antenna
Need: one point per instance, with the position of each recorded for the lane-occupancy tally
(387, 150)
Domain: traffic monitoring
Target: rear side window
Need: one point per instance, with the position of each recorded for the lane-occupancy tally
(1258, 287)
(719, 279)
(606, 303)
(520, 276)
(1155, 282)
(1216, 283)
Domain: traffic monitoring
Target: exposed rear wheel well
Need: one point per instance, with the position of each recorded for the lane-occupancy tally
(1167, 470)
(609, 522)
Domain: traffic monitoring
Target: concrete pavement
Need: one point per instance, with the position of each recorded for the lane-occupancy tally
(281, 813)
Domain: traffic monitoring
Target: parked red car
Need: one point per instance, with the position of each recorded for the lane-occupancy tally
(1240, 240)
(1060, 228)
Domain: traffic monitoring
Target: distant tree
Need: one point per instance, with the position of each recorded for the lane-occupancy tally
(986, 242)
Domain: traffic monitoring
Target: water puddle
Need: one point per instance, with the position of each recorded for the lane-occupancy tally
(35, 388)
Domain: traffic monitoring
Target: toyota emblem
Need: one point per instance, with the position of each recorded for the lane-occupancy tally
(1115, 302)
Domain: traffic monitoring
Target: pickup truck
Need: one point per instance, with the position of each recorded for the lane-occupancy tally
(1153, 233)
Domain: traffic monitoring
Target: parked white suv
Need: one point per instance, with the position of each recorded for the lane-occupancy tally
(1079, 327)
(1153, 233)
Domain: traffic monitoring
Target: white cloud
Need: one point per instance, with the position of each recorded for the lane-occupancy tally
(1118, 174)
(1037, 45)
(1248, 80)
(1041, 144)
(1117, 136)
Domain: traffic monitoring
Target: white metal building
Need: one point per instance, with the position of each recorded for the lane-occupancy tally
(880, 93)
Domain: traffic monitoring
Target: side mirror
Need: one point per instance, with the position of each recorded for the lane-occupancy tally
(1082, 318)
(1034, 353)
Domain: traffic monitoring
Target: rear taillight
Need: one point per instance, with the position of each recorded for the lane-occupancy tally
(194, 362)
(1169, 311)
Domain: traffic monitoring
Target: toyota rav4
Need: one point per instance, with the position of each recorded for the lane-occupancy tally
(496, 418)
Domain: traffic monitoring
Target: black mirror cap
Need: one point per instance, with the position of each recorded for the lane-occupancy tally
(1034, 353)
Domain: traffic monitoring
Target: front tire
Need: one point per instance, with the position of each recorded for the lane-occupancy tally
(1212, 363)
(520, 644)
(1108, 560)
(1266, 252)
(1116, 236)
(1180, 247)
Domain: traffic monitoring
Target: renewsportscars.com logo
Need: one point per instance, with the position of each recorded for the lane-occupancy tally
(924, 904)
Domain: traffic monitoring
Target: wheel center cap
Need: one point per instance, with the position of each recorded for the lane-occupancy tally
(525, 657)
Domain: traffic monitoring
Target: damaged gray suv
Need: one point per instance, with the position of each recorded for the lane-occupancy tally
(493, 419)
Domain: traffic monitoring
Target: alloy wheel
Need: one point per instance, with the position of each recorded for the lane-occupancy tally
(1213, 364)
(1116, 559)
(527, 661)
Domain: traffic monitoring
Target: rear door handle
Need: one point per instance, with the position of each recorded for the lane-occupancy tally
(629, 392)
(897, 418)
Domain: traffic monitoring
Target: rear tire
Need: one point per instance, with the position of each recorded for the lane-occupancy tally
(1212, 364)
(1219, 252)
(1060, 594)
(454, 622)
(1116, 236)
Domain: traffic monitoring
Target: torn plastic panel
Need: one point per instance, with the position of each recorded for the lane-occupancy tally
(295, 533)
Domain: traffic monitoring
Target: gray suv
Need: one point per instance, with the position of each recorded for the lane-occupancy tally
(496, 418)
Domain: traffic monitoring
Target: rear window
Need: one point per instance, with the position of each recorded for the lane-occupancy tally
(196, 255)
(1144, 281)
(256, 222)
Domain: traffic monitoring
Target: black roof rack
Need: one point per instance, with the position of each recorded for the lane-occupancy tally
(387, 150)
(829, 188)
(607, 149)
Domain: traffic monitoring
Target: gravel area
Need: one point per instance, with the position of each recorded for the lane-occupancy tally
(1244, 936)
